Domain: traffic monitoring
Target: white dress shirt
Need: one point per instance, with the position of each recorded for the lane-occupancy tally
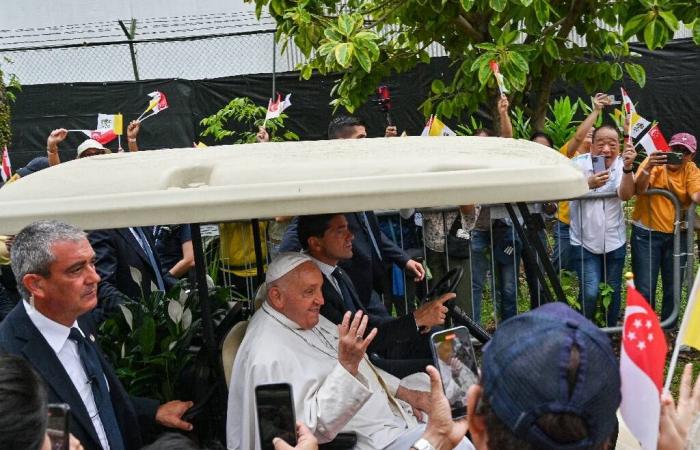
(599, 225)
(56, 336)
(327, 271)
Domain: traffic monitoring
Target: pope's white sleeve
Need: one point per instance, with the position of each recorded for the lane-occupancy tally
(328, 409)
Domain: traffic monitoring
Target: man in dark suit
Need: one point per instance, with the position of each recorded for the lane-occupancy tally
(117, 252)
(54, 267)
(328, 239)
(373, 251)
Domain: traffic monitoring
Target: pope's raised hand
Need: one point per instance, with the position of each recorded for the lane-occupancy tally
(353, 344)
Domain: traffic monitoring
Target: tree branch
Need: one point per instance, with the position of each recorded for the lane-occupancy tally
(468, 29)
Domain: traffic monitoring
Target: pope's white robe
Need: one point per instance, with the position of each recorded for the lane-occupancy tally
(328, 399)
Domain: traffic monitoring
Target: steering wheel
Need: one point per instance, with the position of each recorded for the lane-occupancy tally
(448, 283)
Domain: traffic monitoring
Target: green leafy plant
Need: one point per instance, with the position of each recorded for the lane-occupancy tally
(522, 128)
(365, 41)
(149, 340)
(469, 128)
(606, 296)
(8, 95)
(570, 285)
(560, 124)
(236, 120)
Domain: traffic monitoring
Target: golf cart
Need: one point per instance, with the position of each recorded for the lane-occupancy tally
(257, 181)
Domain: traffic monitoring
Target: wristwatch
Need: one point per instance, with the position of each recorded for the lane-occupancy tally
(630, 170)
(423, 444)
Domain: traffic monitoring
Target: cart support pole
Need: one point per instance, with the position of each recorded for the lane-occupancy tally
(260, 264)
(200, 270)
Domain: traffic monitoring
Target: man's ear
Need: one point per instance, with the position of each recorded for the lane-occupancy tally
(35, 284)
(275, 297)
(314, 244)
(477, 423)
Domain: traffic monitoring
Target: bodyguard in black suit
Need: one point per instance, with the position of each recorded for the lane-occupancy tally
(116, 252)
(328, 240)
(50, 328)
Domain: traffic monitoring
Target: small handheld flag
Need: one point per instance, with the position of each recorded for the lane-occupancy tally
(6, 170)
(642, 360)
(157, 104)
(654, 141)
(689, 331)
(275, 109)
(435, 127)
(627, 102)
(499, 77)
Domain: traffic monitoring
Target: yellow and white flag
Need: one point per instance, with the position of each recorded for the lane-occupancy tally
(689, 333)
(113, 122)
(435, 127)
(637, 125)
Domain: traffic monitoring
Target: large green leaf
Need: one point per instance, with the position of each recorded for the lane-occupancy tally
(541, 11)
(498, 5)
(346, 25)
(437, 86)
(362, 57)
(343, 54)
(635, 25)
(616, 71)
(670, 19)
(466, 4)
(655, 34)
(147, 335)
(696, 32)
(519, 61)
(637, 73)
(551, 48)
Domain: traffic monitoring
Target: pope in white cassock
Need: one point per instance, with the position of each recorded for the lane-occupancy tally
(336, 389)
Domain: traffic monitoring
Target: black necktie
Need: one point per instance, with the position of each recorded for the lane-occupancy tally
(96, 378)
(345, 291)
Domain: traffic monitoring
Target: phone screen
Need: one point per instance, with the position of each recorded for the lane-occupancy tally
(57, 427)
(276, 418)
(454, 357)
(598, 164)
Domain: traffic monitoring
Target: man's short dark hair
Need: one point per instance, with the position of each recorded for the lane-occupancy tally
(340, 125)
(609, 126)
(314, 225)
(23, 405)
(173, 441)
(484, 131)
(543, 135)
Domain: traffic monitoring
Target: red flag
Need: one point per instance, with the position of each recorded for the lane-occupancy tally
(642, 361)
(6, 171)
(103, 136)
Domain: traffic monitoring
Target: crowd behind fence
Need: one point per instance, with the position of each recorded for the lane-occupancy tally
(483, 288)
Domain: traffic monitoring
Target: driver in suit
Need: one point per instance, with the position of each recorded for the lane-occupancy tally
(54, 265)
(327, 239)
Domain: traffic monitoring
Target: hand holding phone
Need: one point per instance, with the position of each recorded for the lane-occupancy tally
(58, 426)
(274, 404)
(454, 358)
(674, 158)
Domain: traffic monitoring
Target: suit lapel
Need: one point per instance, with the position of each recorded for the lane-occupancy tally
(128, 236)
(38, 352)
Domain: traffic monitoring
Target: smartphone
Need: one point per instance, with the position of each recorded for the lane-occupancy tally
(275, 408)
(58, 426)
(454, 357)
(598, 164)
(674, 158)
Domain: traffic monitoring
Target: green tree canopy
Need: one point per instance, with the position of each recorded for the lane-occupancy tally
(366, 41)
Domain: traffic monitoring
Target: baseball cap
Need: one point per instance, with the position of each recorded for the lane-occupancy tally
(524, 375)
(35, 165)
(91, 143)
(686, 140)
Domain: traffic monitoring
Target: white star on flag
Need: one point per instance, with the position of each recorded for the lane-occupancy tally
(637, 323)
(631, 335)
(648, 324)
(641, 345)
(650, 337)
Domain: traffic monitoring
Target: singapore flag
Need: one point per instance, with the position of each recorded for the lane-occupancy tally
(642, 369)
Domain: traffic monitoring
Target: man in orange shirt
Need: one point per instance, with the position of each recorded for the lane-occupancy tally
(653, 217)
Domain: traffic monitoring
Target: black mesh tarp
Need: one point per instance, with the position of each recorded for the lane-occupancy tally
(671, 96)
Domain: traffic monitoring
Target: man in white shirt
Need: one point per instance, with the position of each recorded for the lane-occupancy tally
(335, 387)
(54, 266)
(598, 225)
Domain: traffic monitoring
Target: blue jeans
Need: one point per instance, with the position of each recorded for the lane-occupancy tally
(505, 277)
(561, 254)
(593, 269)
(653, 251)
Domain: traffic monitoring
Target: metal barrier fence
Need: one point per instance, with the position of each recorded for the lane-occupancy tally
(494, 283)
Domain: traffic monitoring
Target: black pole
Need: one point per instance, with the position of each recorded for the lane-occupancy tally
(260, 265)
(130, 37)
(200, 270)
(529, 256)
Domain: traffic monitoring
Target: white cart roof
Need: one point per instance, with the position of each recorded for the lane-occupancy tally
(264, 180)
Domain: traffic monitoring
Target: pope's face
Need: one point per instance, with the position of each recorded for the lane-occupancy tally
(301, 297)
